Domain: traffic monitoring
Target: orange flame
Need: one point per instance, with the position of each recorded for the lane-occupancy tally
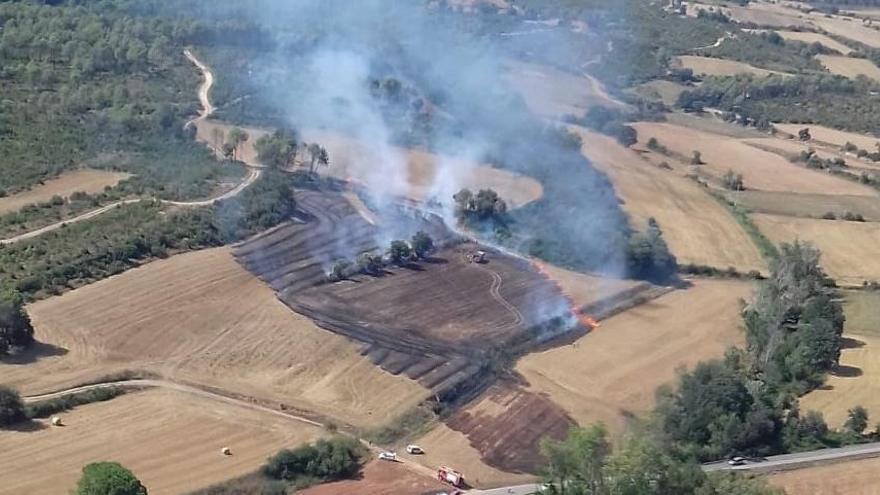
(587, 321)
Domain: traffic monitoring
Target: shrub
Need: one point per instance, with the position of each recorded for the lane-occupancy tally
(326, 460)
(11, 407)
(108, 478)
(829, 215)
(422, 244)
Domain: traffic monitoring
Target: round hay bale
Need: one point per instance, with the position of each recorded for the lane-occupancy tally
(226, 451)
(56, 421)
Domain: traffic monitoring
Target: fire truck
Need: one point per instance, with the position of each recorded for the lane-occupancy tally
(451, 476)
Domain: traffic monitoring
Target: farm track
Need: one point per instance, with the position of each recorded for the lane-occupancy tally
(254, 171)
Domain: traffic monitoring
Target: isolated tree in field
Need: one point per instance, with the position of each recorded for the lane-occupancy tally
(278, 149)
(235, 139)
(422, 244)
(856, 420)
(108, 478)
(696, 158)
(317, 156)
(11, 407)
(399, 252)
(648, 257)
(733, 181)
(369, 263)
(486, 204)
(15, 325)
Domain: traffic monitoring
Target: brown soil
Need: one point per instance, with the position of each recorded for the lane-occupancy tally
(201, 318)
(381, 478)
(83, 180)
(506, 426)
(612, 372)
(170, 440)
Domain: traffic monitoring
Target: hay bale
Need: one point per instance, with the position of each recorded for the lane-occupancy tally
(56, 421)
(226, 451)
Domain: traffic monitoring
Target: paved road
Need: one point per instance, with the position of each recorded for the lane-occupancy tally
(508, 490)
(803, 459)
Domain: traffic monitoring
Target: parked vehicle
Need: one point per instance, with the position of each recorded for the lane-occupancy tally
(387, 456)
(414, 449)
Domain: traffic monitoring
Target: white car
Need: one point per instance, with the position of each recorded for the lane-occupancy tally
(414, 449)
(387, 456)
(737, 461)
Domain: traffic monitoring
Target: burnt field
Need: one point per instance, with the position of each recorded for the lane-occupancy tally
(435, 320)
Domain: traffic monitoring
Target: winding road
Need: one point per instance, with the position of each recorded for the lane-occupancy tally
(254, 169)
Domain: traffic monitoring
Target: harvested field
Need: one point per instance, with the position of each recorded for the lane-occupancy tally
(353, 160)
(719, 66)
(445, 446)
(381, 478)
(847, 27)
(613, 371)
(713, 125)
(551, 93)
(506, 426)
(861, 477)
(807, 205)
(832, 136)
(186, 319)
(696, 227)
(665, 91)
(857, 381)
(85, 180)
(761, 169)
(850, 67)
(170, 440)
(809, 37)
(848, 248)
(587, 290)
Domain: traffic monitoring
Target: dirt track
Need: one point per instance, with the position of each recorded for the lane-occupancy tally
(207, 109)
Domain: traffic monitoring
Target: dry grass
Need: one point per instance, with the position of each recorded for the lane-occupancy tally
(809, 37)
(85, 180)
(760, 169)
(850, 67)
(719, 66)
(445, 446)
(169, 439)
(761, 14)
(807, 205)
(665, 91)
(696, 227)
(584, 289)
(860, 477)
(551, 93)
(848, 248)
(202, 318)
(847, 27)
(832, 136)
(613, 371)
(858, 380)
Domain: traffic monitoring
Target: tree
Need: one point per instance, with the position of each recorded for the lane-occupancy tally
(317, 156)
(235, 139)
(399, 252)
(15, 324)
(648, 256)
(369, 263)
(108, 478)
(326, 460)
(485, 205)
(641, 467)
(733, 181)
(576, 463)
(422, 244)
(856, 420)
(11, 407)
(696, 158)
(278, 149)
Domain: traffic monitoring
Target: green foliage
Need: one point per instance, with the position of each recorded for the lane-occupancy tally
(46, 408)
(399, 252)
(648, 257)
(769, 50)
(410, 424)
(369, 263)
(326, 460)
(11, 407)
(422, 244)
(278, 149)
(610, 122)
(856, 420)
(108, 478)
(15, 324)
(265, 203)
(584, 463)
(485, 205)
